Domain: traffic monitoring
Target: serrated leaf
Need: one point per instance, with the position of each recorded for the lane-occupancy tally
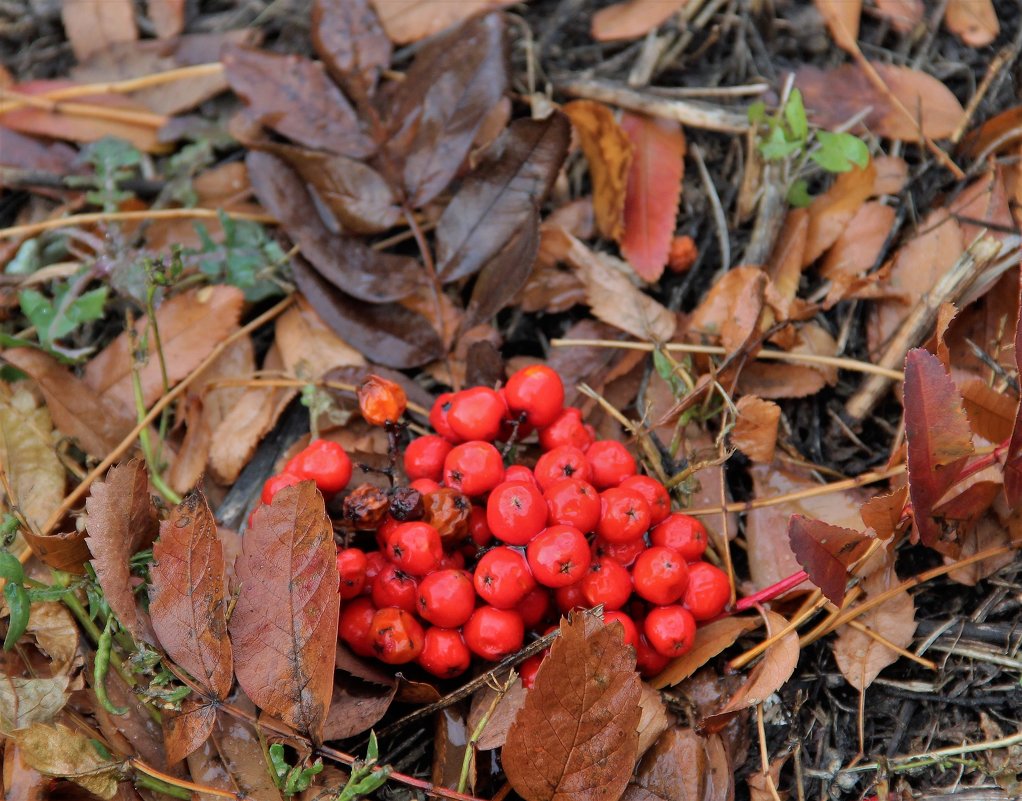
(826, 552)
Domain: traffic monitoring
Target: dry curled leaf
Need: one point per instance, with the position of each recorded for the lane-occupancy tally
(284, 627)
(121, 519)
(575, 738)
(755, 431)
(61, 752)
(826, 553)
(711, 639)
(27, 701)
(34, 472)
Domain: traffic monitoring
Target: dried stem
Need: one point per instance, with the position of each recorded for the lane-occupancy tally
(143, 119)
(31, 229)
(174, 781)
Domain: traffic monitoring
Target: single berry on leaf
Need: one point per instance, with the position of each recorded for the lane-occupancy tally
(573, 502)
(473, 468)
(381, 401)
(354, 626)
(324, 462)
(561, 463)
(566, 429)
(654, 492)
(538, 391)
(444, 653)
(671, 630)
(708, 591)
(275, 484)
(624, 515)
(606, 583)
(397, 636)
(516, 512)
(351, 565)
(660, 575)
(503, 578)
(610, 462)
(477, 413)
(559, 556)
(683, 533)
(493, 633)
(424, 457)
(446, 598)
(393, 587)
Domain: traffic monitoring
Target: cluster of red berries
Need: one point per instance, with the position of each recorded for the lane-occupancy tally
(472, 553)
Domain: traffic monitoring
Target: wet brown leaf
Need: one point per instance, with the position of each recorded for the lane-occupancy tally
(859, 657)
(386, 333)
(295, 97)
(501, 196)
(495, 732)
(632, 18)
(842, 18)
(121, 520)
(61, 752)
(765, 678)
(131, 734)
(348, 36)
(27, 701)
(711, 639)
(755, 431)
(683, 766)
(826, 553)
(608, 150)
(191, 325)
(444, 100)
(410, 20)
(450, 741)
(284, 627)
(575, 737)
(356, 706)
(92, 26)
(188, 605)
(972, 21)
(504, 275)
(34, 472)
(833, 96)
(98, 424)
(903, 15)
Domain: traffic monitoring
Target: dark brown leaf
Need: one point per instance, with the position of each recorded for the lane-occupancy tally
(447, 93)
(386, 333)
(501, 195)
(683, 766)
(121, 519)
(284, 627)
(66, 552)
(575, 738)
(345, 262)
(450, 741)
(504, 275)
(188, 604)
(99, 425)
(295, 97)
(1013, 459)
(348, 37)
(27, 153)
(826, 552)
(938, 444)
(356, 706)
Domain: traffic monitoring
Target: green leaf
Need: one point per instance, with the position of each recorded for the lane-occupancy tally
(37, 308)
(26, 261)
(776, 147)
(839, 152)
(279, 762)
(757, 113)
(795, 116)
(19, 605)
(11, 569)
(798, 194)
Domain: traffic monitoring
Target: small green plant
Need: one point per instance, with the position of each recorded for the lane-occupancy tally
(289, 779)
(247, 258)
(55, 318)
(785, 137)
(113, 161)
(365, 777)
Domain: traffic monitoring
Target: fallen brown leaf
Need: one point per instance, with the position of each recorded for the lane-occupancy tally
(755, 431)
(903, 15)
(830, 213)
(856, 249)
(349, 38)
(632, 18)
(711, 639)
(653, 719)
(842, 18)
(973, 21)
(55, 632)
(732, 308)
(167, 16)
(991, 413)
(683, 766)
(34, 472)
(410, 20)
(24, 702)
(495, 732)
(93, 26)
(826, 553)
(61, 752)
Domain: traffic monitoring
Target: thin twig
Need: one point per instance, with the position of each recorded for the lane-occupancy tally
(31, 229)
(143, 119)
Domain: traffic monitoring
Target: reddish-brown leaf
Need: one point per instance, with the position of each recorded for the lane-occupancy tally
(654, 190)
(284, 627)
(348, 37)
(1013, 459)
(185, 730)
(575, 738)
(121, 520)
(856, 248)
(410, 20)
(295, 97)
(938, 443)
(883, 513)
(991, 413)
(826, 552)
(711, 639)
(632, 18)
(683, 766)
(842, 18)
(503, 715)
(188, 605)
(356, 706)
(452, 85)
(973, 21)
(831, 212)
(765, 679)
(731, 309)
(755, 431)
(67, 552)
(500, 196)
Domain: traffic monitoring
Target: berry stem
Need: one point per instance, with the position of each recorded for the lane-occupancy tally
(771, 592)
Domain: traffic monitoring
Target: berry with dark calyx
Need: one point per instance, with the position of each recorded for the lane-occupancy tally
(520, 474)
(708, 591)
(606, 583)
(516, 512)
(354, 626)
(570, 598)
(654, 492)
(538, 391)
(683, 533)
(573, 502)
(611, 463)
(438, 417)
(324, 462)
(561, 463)
(660, 575)
(670, 630)
(449, 512)
(397, 636)
(629, 631)
(528, 670)
(624, 515)
(559, 556)
(477, 413)
(566, 429)
(375, 562)
(275, 484)
(424, 457)
(502, 577)
(381, 401)
(365, 507)
(624, 553)
(473, 468)
(493, 633)
(444, 653)
(351, 565)
(534, 607)
(393, 587)
(415, 548)
(446, 598)
(405, 504)
(647, 661)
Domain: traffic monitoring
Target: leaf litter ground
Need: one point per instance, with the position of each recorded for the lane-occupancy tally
(817, 723)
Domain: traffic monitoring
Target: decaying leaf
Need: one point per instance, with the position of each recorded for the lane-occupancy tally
(939, 443)
(653, 720)
(61, 752)
(653, 193)
(826, 553)
(608, 150)
(188, 605)
(859, 657)
(504, 714)
(632, 18)
(284, 627)
(27, 701)
(683, 765)
(55, 633)
(34, 471)
(973, 21)
(575, 738)
(121, 519)
(755, 431)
